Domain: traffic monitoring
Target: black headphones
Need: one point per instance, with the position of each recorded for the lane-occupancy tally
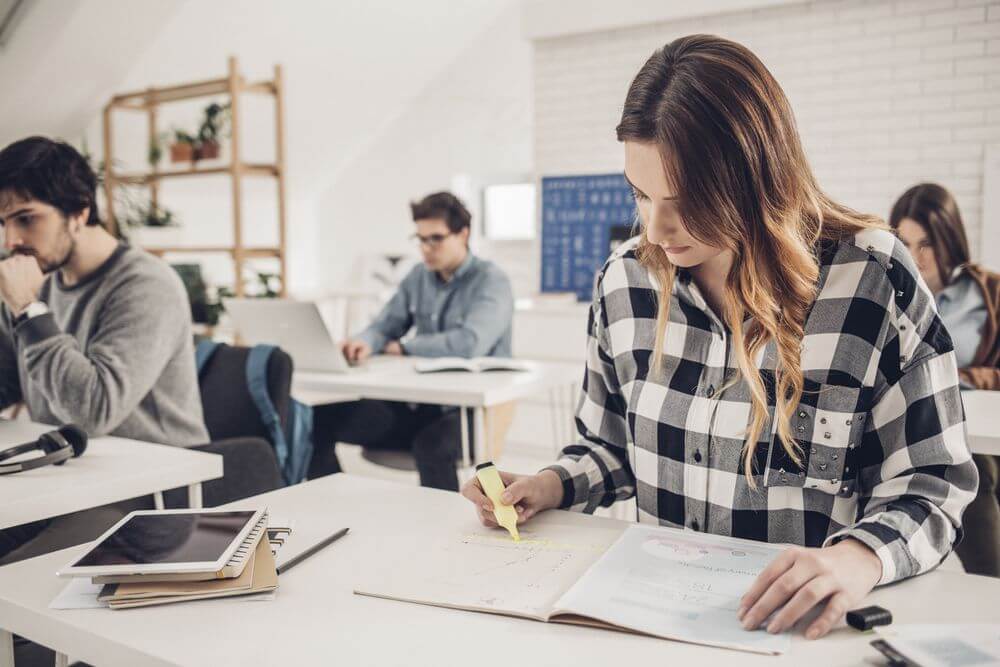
(59, 446)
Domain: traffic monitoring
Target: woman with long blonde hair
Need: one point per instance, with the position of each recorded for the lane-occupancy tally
(763, 362)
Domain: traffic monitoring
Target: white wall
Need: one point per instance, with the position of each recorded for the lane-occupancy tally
(352, 70)
(886, 94)
(554, 18)
(64, 58)
(473, 120)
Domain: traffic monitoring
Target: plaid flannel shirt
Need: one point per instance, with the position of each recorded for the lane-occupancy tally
(880, 423)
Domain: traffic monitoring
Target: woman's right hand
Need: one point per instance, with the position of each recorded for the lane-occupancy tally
(529, 494)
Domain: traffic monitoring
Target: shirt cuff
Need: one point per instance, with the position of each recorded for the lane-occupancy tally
(575, 484)
(36, 329)
(866, 532)
(376, 340)
(415, 347)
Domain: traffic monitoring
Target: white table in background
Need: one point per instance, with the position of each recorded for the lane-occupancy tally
(110, 470)
(982, 415)
(316, 619)
(394, 379)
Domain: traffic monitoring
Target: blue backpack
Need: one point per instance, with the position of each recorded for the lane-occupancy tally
(293, 452)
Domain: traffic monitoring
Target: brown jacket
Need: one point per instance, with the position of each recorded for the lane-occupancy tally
(984, 371)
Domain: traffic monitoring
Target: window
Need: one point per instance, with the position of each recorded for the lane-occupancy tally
(509, 211)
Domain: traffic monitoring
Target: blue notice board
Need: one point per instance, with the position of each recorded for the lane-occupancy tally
(583, 219)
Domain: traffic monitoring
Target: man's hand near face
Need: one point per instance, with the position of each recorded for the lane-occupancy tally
(20, 281)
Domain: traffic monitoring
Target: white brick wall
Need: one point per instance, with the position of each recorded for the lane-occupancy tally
(886, 94)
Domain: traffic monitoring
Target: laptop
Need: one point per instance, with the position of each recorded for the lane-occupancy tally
(295, 326)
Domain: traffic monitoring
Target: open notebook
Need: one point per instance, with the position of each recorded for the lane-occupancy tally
(668, 583)
(474, 365)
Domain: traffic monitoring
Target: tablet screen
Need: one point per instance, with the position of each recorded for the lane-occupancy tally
(148, 539)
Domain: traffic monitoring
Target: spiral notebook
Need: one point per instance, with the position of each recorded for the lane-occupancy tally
(258, 576)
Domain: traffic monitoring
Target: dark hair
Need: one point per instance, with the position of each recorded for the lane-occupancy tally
(52, 172)
(936, 211)
(442, 206)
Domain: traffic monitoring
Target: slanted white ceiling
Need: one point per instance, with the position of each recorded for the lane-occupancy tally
(351, 66)
(64, 57)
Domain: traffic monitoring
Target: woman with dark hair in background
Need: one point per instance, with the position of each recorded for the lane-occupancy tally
(928, 221)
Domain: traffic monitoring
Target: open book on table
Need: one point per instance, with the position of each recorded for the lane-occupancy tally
(668, 583)
(474, 365)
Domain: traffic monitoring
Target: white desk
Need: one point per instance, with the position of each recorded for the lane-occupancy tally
(110, 470)
(316, 619)
(982, 414)
(394, 379)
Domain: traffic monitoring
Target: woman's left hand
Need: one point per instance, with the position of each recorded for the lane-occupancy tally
(801, 578)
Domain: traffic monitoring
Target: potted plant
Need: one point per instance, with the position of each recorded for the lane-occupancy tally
(138, 212)
(268, 285)
(155, 153)
(205, 145)
(206, 302)
(157, 216)
(215, 122)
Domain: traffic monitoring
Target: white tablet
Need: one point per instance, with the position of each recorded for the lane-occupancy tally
(167, 541)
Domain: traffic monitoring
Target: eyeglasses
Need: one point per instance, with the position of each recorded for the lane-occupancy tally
(431, 240)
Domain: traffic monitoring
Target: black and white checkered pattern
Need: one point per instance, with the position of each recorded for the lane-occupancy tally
(880, 422)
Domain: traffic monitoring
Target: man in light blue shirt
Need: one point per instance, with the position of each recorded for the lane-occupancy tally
(461, 310)
(454, 304)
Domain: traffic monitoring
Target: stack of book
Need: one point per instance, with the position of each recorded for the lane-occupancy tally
(258, 576)
(248, 570)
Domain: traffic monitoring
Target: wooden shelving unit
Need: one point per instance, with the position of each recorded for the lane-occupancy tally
(148, 101)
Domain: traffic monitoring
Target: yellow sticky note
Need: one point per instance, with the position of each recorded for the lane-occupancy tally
(506, 515)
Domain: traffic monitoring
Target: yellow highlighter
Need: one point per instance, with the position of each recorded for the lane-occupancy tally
(506, 515)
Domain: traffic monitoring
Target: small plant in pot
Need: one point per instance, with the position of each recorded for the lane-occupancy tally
(205, 145)
(155, 153)
(140, 212)
(157, 216)
(183, 147)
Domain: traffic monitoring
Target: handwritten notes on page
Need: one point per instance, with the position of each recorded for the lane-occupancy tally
(485, 570)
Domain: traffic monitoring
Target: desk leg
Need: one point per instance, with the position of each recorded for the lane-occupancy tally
(563, 426)
(479, 424)
(194, 496)
(7, 652)
(6, 649)
(555, 416)
(158, 500)
(568, 419)
(463, 420)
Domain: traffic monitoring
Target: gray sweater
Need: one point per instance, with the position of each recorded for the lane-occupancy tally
(115, 354)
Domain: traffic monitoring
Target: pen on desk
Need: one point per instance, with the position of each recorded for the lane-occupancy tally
(295, 560)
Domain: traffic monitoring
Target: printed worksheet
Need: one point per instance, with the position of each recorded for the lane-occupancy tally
(675, 584)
